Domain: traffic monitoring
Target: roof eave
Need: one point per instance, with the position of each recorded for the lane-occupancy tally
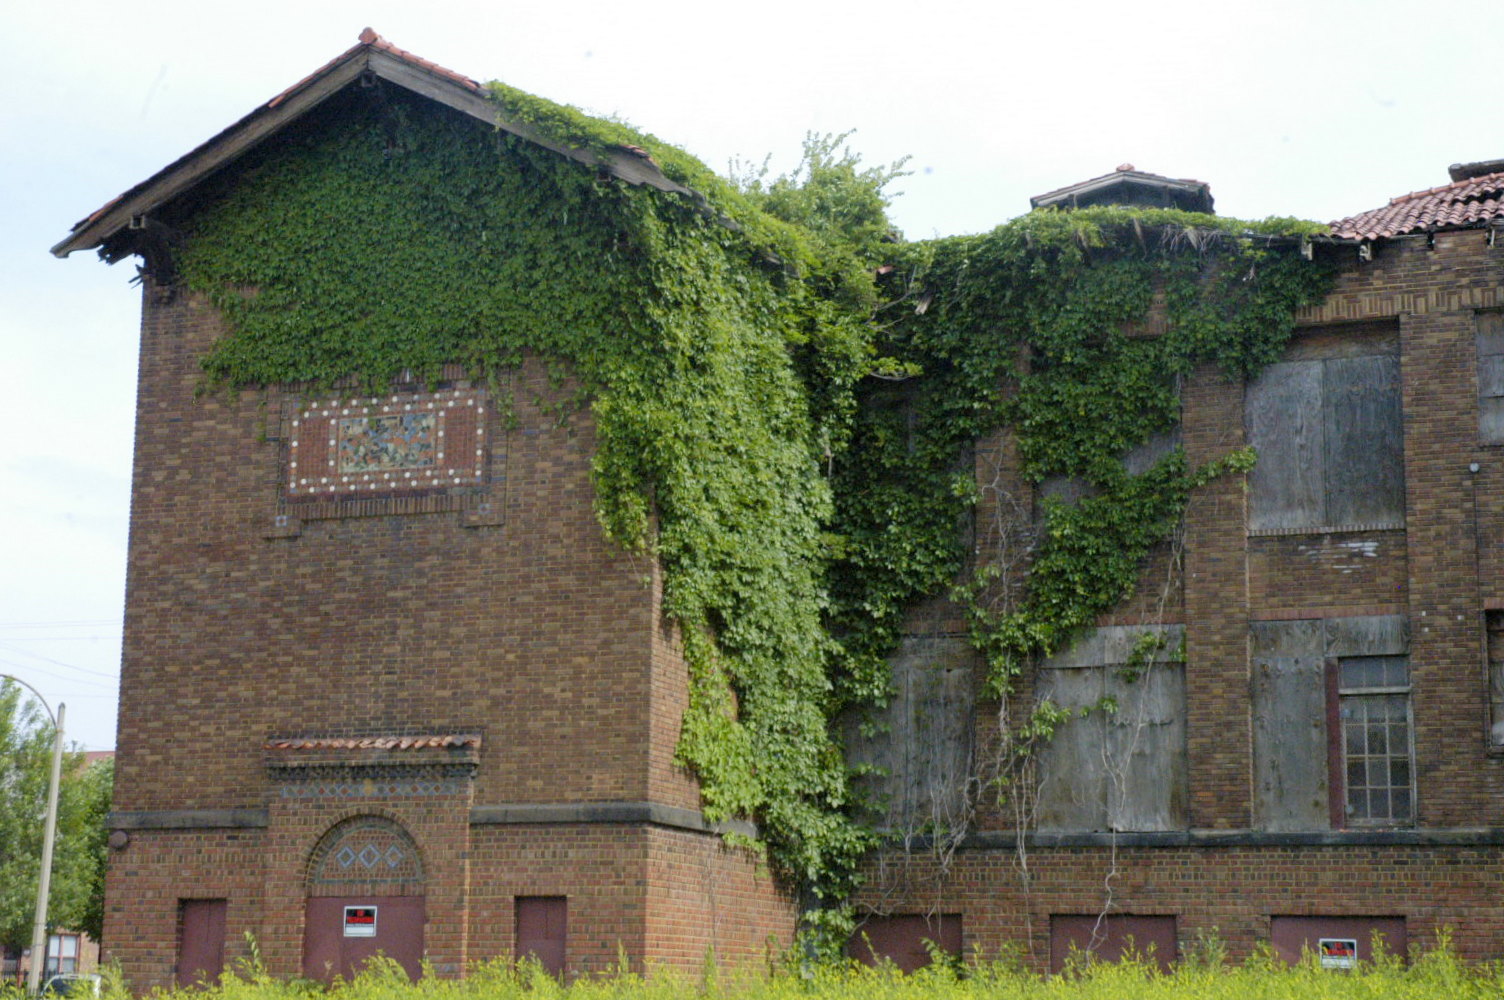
(268, 119)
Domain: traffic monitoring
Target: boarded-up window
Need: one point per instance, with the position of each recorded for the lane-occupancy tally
(909, 941)
(1108, 937)
(1300, 755)
(201, 941)
(1292, 936)
(1490, 341)
(1326, 423)
(917, 753)
(542, 930)
(1495, 622)
(1119, 762)
(1136, 461)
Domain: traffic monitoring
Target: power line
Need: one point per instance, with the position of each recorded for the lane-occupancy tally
(58, 663)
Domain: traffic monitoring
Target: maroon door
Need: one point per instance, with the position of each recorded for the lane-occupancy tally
(542, 926)
(1108, 938)
(906, 939)
(1294, 935)
(341, 932)
(201, 941)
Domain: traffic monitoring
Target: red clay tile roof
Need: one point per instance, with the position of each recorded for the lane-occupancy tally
(376, 742)
(1469, 202)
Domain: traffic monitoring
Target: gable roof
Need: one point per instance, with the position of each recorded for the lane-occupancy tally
(1128, 185)
(1470, 201)
(371, 55)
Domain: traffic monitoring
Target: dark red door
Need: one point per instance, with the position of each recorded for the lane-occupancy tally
(907, 940)
(201, 941)
(1294, 935)
(542, 926)
(341, 932)
(1108, 938)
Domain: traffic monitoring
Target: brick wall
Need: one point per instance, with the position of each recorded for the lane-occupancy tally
(496, 609)
(1439, 572)
(1227, 892)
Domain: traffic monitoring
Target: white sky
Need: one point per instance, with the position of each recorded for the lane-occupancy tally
(1312, 108)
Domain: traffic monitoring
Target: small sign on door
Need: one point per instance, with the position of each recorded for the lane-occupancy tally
(1338, 953)
(360, 921)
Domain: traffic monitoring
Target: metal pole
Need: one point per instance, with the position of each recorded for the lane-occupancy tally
(39, 929)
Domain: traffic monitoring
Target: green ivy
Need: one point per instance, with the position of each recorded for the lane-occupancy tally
(787, 436)
(393, 237)
(1037, 328)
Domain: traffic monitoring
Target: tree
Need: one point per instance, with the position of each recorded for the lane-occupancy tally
(75, 900)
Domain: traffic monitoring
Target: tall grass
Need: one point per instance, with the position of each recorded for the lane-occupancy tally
(1433, 972)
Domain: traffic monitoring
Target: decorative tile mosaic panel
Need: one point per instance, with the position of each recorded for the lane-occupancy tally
(405, 443)
(365, 849)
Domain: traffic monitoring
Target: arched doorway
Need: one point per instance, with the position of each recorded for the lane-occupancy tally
(365, 895)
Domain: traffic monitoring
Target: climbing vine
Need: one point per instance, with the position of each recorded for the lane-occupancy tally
(1042, 329)
(783, 429)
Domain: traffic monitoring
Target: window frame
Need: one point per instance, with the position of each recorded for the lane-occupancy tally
(52, 965)
(1340, 697)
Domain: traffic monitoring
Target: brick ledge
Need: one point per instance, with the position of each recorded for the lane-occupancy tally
(544, 813)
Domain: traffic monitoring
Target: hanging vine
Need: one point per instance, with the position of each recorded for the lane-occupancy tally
(782, 431)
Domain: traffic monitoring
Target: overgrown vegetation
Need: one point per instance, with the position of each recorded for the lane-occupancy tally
(1434, 972)
(782, 428)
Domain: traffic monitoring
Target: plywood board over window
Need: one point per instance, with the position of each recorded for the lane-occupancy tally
(1490, 344)
(1326, 422)
(918, 752)
(1119, 762)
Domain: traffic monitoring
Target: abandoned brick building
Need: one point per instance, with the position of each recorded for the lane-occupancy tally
(386, 684)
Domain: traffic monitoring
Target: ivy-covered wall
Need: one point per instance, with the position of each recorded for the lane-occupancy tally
(783, 391)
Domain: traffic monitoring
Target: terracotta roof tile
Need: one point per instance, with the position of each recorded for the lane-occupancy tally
(376, 742)
(1469, 202)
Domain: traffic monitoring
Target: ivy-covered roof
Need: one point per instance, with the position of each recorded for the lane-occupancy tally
(372, 57)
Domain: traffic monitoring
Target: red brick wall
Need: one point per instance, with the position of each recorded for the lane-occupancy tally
(160, 867)
(706, 898)
(534, 630)
(1229, 892)
(516, 620)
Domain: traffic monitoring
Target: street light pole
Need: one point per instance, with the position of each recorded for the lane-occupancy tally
(49, 834)
(39, 929)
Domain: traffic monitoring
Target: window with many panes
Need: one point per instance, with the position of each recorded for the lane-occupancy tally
(1377, 760)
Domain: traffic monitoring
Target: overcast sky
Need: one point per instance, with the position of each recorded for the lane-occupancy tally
(1313, 109)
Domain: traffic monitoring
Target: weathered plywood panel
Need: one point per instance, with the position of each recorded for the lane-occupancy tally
(1370, 635)
(1284, 422)
(1491, 378)
(920, 747)
(1364, 440)
(1146, 765)
(1140, 459)
(1072, 764)
(1491, 421)
(1113, 645)
(1289, 726)
(1124, 769)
